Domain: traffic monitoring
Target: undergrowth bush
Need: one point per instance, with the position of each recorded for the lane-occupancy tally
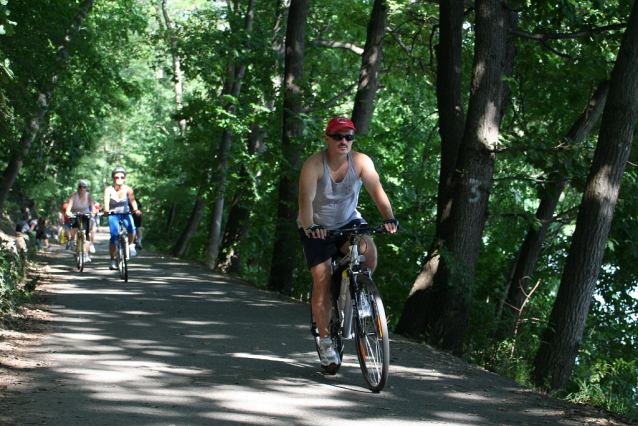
(14, 290)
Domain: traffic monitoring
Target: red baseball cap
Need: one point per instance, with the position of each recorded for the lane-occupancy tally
(339, 123)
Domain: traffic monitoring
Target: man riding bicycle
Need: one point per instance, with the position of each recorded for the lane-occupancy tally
(329, 187)
(116, 202)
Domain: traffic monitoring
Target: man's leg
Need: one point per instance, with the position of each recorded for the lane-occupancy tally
(321, 296)
(366, 248)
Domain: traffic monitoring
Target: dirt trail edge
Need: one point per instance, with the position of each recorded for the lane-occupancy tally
(180, 345)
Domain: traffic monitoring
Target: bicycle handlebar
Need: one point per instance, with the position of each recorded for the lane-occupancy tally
(358, 230)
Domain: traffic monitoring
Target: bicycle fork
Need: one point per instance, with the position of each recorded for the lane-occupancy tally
(349, 296)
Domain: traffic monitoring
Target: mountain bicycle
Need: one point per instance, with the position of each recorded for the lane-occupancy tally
(80, 239)
(357, 311)
(122, 248)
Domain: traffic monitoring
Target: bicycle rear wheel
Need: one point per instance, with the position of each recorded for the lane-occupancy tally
(79, 257)
(371, 337)
(121, 261)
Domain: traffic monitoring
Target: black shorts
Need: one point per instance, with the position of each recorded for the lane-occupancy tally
(318, 251)
(75, 223)
(137, 220)
(41, 233)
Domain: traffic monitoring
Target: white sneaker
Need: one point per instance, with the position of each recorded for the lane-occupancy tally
(328, 355)
(92, 248)
(113, 265)
(131, 250)
(87, 258)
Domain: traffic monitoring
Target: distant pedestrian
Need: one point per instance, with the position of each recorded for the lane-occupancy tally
(41, 236)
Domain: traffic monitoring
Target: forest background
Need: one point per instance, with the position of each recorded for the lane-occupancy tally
(502, 132)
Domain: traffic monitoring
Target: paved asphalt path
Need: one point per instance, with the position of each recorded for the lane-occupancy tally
(180, 345)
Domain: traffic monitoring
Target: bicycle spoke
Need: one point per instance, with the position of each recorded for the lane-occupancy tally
(373, 346)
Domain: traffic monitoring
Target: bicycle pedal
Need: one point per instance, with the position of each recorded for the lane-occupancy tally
(331, 369)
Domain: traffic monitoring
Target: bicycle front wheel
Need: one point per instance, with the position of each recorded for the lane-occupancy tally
(121, 264)
(371, 336)
(80, 251)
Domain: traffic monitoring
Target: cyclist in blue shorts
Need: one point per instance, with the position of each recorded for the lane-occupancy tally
(116, 200)
(329, 188)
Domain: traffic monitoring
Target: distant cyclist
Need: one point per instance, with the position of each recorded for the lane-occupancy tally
(329, 188)
(66, 225)
(137, 219)
(116, 201)
(81, 202)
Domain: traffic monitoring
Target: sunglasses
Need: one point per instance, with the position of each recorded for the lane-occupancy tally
(338, 137)
(81, 186)
(119, 177)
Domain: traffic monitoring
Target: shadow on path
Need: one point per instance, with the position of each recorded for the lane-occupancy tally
(180, 345)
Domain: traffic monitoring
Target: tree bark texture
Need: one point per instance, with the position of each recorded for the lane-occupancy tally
(449, 99)
(531, 248)
(35, 122)
(437, 307)
(370, 64)
(287, 240)
(560, 341)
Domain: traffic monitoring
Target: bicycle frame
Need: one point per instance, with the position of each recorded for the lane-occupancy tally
(122, 240)
(351, 262)
(80, 239)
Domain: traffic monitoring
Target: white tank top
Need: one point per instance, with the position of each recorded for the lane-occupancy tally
(335, 203)
(118, 205)
(79, 206)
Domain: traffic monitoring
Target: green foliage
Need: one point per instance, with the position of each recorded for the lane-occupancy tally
(13, 291)
(610, 384)
(115, 105)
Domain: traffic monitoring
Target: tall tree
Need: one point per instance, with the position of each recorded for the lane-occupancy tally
(239, 216)
(235, 80)
(449, 99)
(370, 64)
(238, 224)
(35, 121)
(286, 243)
(437, 305)
(518, 284)
(560, 341)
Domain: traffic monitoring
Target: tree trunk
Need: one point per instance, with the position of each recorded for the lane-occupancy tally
(531, 248)
(560, 341)
(28, 136)
(286, 241)
(235, 78)
(238, 225)
(449, 99)
(196, 214)
(437, 305)
(370, 64)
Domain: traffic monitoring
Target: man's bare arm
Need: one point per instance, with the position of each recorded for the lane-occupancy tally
(307, 192)
(371, 181)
